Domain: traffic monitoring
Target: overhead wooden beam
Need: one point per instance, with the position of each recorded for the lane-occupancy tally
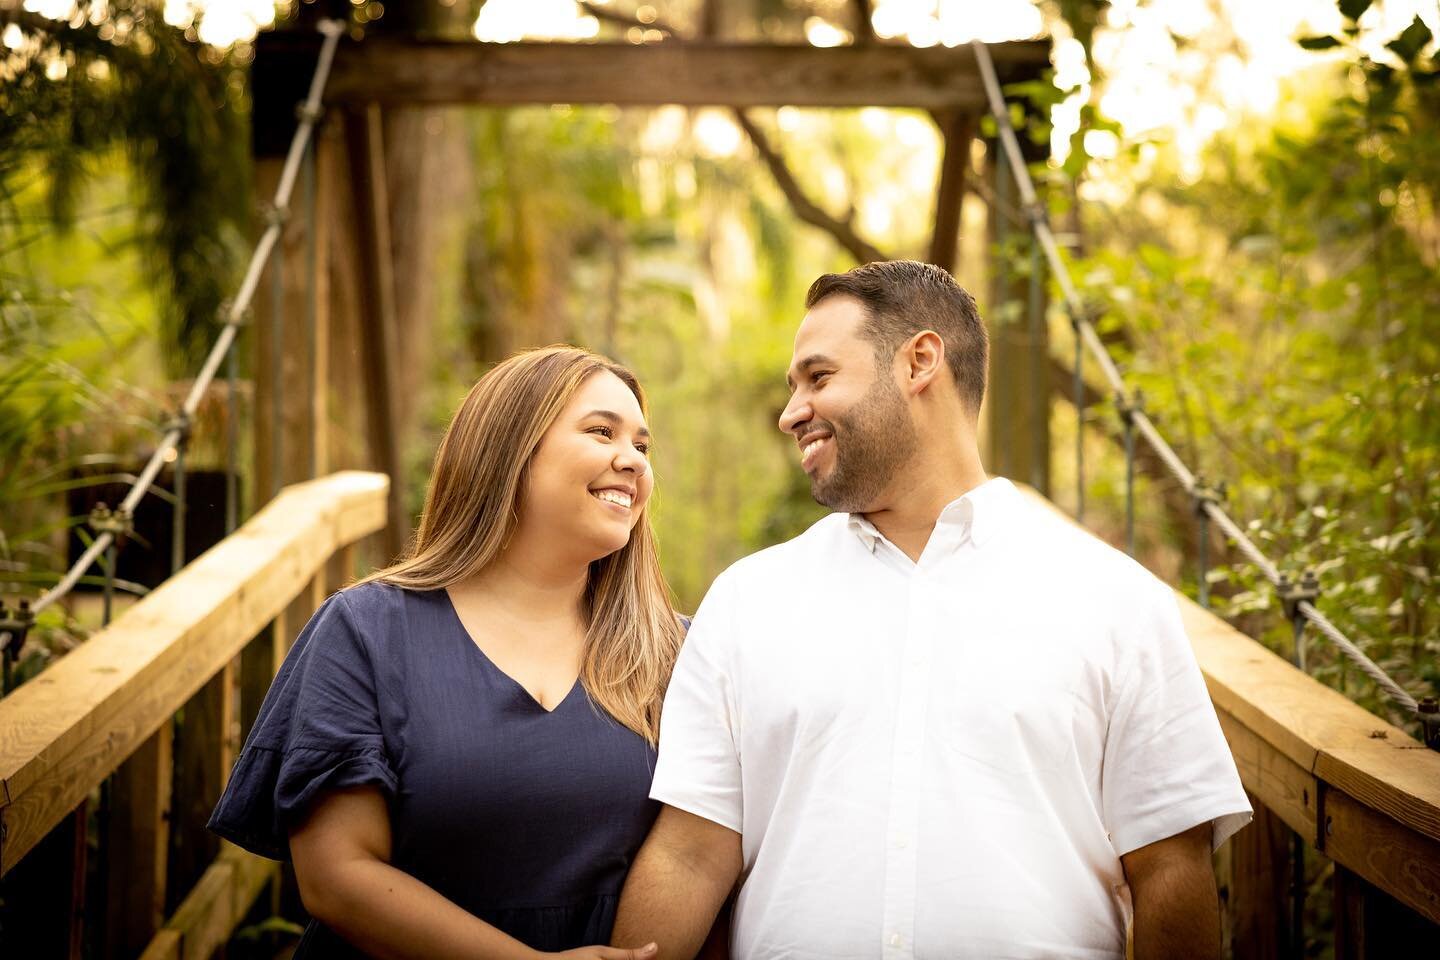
(63, 733)
(696, 73)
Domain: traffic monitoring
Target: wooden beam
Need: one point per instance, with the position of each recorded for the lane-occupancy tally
(1362, 791)
(699, 73)
(379, 343)
(957, 129)
(205, 751)
(137, 846)
(209, 914)
(69, 729)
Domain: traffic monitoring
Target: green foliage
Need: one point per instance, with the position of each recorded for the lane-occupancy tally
(132, 81)
(1284, 318)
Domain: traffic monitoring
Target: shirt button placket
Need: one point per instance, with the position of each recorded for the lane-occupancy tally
(898, 930)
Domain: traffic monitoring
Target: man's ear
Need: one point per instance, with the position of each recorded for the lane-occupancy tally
(925, 358)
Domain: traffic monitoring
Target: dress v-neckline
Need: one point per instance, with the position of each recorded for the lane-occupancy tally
(520, 688)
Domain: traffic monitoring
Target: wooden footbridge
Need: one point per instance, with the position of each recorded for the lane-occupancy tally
(111, 760)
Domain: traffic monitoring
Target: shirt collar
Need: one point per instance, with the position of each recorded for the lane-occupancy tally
(980, 513)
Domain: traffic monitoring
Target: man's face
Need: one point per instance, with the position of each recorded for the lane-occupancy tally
(848, 416)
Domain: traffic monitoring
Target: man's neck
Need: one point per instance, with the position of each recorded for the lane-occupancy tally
(908, 514)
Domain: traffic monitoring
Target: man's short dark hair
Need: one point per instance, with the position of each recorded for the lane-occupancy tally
(902, 298)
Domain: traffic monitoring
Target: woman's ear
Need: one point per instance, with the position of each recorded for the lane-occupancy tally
(925, 356)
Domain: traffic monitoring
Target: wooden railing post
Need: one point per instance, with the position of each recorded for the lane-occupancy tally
(1256, 888)
(204, 753)
(43, 910)
(137, 849)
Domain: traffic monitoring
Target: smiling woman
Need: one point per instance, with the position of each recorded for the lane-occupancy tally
(457, 751)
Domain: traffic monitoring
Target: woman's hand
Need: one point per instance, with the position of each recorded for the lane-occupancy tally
(609, 953)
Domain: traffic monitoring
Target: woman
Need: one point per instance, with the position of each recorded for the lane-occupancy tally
(457, 752)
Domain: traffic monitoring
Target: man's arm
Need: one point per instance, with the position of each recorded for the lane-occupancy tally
(681, 877)
(1172, 885)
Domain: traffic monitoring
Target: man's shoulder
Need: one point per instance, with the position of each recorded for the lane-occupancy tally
(817, 539)
(1064, 553)
(775, 567)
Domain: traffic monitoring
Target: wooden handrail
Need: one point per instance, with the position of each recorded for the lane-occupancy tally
(64, 732)
(1359, 789)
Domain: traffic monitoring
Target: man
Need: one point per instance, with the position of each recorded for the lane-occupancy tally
(941, 722)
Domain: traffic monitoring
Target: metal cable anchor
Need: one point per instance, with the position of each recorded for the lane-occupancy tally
(1292, 593)
(1429, 710)
(119, 522)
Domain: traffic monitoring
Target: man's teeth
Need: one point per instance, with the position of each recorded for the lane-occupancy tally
(614, 496)
(812, 447)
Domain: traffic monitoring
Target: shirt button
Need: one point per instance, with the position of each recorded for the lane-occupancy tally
(901, 843)
(896, 939)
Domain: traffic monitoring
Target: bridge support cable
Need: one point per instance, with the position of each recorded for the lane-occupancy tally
(1208, 505)
(172, 437)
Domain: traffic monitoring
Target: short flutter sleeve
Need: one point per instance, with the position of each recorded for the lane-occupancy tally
(318, 729)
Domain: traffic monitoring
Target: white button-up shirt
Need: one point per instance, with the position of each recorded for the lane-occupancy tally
(944, 758)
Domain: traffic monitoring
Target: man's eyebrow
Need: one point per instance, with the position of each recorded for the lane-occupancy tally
(616, 419)
(815, 359)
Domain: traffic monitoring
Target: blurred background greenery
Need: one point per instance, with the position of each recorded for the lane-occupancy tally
(1247, 192)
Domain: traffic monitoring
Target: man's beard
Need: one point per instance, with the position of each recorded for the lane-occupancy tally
(873, 440)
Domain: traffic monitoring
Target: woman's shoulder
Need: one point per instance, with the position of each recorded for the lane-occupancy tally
(376, 598)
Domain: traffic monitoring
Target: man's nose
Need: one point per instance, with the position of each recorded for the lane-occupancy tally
(796, 412)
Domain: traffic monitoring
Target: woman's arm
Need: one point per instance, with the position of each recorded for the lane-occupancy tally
(342, 864)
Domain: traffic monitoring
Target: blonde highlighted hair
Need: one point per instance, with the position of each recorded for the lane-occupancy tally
(472, 507)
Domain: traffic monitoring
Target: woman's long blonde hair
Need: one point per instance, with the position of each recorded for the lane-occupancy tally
(472, 507)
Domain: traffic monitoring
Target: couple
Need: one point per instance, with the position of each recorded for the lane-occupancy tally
(939, 723)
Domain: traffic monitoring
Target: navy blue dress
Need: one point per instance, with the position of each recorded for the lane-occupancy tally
(526, 818)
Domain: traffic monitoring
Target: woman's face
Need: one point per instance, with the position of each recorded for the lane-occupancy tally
(590, 477)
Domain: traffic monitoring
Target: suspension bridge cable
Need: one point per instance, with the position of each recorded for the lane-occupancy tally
(309, 114)
(1144, 426)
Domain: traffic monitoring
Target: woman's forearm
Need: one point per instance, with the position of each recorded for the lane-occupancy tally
(393, 916)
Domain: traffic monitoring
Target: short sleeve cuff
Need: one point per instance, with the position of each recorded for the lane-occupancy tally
(1226, 816)
(707, 808)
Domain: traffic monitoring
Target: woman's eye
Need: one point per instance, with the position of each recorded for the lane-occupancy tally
(644, 449)
(605, 432)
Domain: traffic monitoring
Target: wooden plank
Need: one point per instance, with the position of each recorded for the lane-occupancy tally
(1255, 893)
(205, 750)
(957, 130)
(691, 74)
(137, 846)
(1285, 788)
(218, 902)
(259, 662)
(1372, 926)
(67, 729)
(166, 946)
(1400, 862)
(38, 901)
(379, 341)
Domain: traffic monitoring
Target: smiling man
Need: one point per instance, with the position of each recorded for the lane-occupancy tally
(941, 722)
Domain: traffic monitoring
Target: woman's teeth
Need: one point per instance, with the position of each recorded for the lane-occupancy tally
(613, 496)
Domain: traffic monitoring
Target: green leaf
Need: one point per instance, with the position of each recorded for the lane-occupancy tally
(1319, 43)
(1411, 41)
(1353, 9)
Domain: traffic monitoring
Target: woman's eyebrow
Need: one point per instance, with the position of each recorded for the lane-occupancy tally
(615, 419)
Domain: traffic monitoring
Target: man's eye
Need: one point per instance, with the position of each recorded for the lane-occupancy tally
(817, 375)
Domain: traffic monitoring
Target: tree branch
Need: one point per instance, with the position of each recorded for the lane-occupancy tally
(802, 206)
